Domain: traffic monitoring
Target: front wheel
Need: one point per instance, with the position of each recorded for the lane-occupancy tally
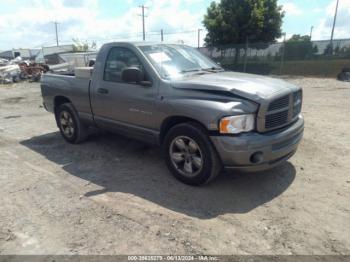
(71, 128)
(189, 154)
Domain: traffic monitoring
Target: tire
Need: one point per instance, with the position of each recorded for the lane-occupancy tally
(71, 128)
(345, 76)
(184, 145)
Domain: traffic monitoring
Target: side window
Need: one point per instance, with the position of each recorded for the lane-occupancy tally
(118, 59)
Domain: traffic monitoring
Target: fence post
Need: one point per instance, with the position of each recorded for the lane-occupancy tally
(245, 56)
(283, 53)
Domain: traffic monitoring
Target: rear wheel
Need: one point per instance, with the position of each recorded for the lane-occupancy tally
(71, 128)
(189, 154)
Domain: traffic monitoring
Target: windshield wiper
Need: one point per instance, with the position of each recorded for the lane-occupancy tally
(213, 69)
(191, 70)
(203, 70)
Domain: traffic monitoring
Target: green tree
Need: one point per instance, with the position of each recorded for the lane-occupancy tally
(337, 50)
(239, 21)
(345, 51)
(328, 50)
(299, 47)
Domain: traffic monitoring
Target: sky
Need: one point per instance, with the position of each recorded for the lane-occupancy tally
(29, 23)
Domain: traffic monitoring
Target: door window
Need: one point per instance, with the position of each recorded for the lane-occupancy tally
(118, 59)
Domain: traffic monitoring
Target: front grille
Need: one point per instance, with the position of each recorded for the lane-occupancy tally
(277, 119)
(279, 103)
(282, 111)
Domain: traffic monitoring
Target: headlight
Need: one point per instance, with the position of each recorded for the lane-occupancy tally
(237, 124)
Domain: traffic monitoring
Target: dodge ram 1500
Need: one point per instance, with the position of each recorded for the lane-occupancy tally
(204, 117)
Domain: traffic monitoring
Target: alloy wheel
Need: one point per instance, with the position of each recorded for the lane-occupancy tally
(186, 156)
(67, 124)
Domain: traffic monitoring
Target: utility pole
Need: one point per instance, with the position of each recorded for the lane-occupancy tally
(334, 22)
(56, 32)
(312, 28)
(143, 21)
(161, 35)
(199, 37)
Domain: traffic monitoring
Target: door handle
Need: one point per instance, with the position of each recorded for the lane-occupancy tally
(102, 91)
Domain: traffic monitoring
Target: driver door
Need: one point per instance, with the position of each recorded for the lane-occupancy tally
(120, 105)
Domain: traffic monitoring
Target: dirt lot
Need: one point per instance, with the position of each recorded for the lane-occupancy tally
(112, 195)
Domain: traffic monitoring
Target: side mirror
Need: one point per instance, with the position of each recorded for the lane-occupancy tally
(132, 75)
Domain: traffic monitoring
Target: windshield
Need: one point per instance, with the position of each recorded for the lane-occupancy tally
(172, 61)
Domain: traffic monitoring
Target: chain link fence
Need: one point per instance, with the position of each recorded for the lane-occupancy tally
(300, 58)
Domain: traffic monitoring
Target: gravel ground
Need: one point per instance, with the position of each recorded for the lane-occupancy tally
(112, 195)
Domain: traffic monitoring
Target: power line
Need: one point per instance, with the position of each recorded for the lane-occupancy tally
(180, 32)
(127, 36)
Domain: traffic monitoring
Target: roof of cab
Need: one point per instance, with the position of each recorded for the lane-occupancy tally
(144, 43)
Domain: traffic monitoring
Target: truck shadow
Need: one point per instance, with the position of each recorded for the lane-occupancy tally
(119, 164)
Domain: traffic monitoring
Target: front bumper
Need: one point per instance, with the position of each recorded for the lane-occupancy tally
(257, 151)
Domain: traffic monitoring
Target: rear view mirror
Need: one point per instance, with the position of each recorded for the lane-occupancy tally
(132, 75)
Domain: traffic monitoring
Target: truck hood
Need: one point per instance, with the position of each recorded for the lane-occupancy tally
(252, 87)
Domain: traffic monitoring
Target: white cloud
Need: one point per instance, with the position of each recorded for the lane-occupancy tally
(171, 16)
(342, 29)
(317, 10)
(292, 9)
(31, 25)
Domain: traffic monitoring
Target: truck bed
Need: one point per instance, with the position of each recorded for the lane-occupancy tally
(72, 86)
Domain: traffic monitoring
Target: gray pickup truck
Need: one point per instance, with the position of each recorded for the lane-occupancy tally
(204, 117)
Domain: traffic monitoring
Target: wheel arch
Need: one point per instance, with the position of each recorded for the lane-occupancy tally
(59, 100)
(172, 121)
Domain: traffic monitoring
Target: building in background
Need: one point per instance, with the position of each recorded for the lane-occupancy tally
(50, 54)
(25, 54)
